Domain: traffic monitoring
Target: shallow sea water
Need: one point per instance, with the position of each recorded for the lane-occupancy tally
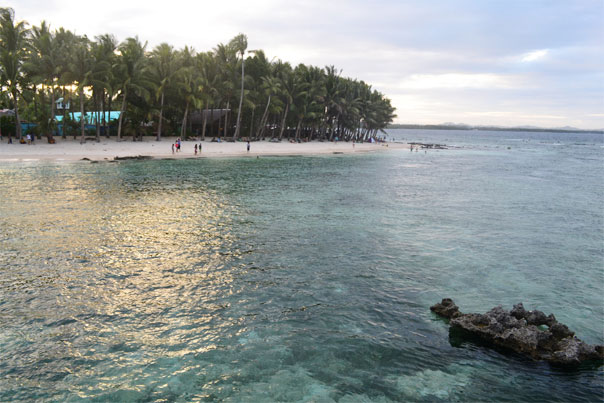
(299, 278)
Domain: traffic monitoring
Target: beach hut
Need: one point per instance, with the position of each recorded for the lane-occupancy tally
(61, 105)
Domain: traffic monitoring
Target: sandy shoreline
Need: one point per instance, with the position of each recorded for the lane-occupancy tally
(108, 149)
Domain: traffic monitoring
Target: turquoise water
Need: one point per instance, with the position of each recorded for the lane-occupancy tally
(299, 278)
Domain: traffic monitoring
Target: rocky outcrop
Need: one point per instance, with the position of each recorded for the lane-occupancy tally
(531, 333)
(431, 146)
(446, 309)
(136, 157)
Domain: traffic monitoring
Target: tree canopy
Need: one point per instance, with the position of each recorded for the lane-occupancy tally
(164, 91)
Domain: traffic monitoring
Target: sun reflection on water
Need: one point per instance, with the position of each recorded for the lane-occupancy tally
(138, 270)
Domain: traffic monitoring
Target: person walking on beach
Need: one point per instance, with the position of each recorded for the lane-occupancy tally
(196, 149)
(178, 145)
(199, 148)
(172, 148)
(248, 146)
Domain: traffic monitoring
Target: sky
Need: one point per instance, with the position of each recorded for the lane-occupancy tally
(481, 62)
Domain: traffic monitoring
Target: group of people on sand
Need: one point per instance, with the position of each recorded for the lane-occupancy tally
(176, 146)
(197, 148)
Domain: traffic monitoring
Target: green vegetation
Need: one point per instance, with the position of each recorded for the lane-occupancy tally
(157, 91)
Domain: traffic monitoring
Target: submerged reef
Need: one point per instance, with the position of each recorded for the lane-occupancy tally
(530, 333)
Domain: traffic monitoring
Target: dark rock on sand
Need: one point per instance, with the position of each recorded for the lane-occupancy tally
(522, 331)
(137, 157)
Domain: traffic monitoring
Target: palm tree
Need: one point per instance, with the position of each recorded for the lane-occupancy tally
(226, 62)
(43, 67)
(239, 44)
(316, 78)
(163, 67)
(309, 91)
(209, 77)
(103, 52)
(81, 69)
(65, 41)
(189, 82)
(270, 86)
(13, 48)
(130, 70)
(251, 102)
(285, 75)
(332, 94)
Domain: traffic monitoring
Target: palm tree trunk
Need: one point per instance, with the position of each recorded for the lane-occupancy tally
(283, 121)
(35, 99)
(75, 133)
(212, 118)
(82, 139)
(203, 128)
(240, 100)
(252, 123)
(260, 130)
(98, 118)
(184, 121)
(274, 126)
(224, 123)
(298, 129)
(18, 132)
(63, 134)
(108, 123)
(161, 113)
(52, 112)
(332, 130)
(121, 118)
(103, 120)
(226, 120)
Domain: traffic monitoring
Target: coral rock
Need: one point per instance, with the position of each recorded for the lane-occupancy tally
(519, 330)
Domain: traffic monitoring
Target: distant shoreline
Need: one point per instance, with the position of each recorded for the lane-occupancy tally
(110, 149)
(490, 128)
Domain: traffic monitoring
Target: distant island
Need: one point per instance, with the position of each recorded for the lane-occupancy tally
(462, 126)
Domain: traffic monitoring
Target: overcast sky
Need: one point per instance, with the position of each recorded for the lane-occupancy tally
(506, 62)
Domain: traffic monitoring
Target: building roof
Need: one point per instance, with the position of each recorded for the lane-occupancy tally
(90, 117)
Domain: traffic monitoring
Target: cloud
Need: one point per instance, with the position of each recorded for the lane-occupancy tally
(517, 114)
(534, 56)
(438, 61)
(458, 81)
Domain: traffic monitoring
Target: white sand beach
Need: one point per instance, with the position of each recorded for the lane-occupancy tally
(108, 149)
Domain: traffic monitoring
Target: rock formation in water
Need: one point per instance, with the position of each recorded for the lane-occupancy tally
(522, 331)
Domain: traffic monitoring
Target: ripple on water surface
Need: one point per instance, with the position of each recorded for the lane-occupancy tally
(292, 279)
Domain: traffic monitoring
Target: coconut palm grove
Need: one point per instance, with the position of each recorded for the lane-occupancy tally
(59, 83)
